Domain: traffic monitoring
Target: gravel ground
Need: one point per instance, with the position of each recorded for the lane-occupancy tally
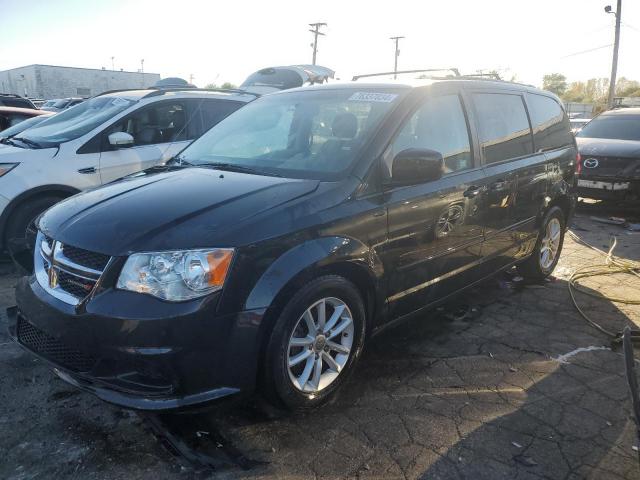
(506, 382)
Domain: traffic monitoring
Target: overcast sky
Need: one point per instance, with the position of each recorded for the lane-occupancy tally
(225, 41)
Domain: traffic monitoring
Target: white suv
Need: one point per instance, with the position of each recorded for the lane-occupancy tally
(98, 141)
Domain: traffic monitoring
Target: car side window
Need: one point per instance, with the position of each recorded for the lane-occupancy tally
(503, 126)
(160, 123)
(439, 125)
(550, 123)
(213, 112)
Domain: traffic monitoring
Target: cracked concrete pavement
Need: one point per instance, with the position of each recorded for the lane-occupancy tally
(508, 389)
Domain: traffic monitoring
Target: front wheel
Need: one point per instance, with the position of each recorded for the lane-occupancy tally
(20, 236)
(546, 252)
(315, 342)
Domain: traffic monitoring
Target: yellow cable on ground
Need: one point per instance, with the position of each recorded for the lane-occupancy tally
(612, 265)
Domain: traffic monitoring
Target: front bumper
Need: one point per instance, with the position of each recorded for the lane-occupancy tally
(137, 351)
(608, 188)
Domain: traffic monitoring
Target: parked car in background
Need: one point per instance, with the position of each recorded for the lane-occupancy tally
(274, 79)
(62, 104)
(11, 116)
(49, 103)
(609, 146)
(271, 249)
(11, 100)
(96, 142)
(577, 123)
(22, 126)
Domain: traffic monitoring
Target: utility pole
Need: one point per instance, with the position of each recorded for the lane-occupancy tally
(191, 77)
(316, 31)
(112, 63)
(616, 45)
(397, 54)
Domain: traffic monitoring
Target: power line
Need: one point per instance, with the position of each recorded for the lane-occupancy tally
(587, 51)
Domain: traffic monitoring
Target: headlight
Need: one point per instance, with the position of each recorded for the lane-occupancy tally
(176, 276)
(6, 168)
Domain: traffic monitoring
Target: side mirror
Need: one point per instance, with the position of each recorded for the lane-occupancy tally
(416, 165)
(121, 139)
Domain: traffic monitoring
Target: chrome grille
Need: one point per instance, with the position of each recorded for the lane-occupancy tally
(68, 273)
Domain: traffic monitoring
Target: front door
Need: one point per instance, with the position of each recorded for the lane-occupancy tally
(435, 231)
(159, 132)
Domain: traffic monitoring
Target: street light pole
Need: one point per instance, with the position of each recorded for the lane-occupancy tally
(616, 45)
(397, 54)
(316, 31)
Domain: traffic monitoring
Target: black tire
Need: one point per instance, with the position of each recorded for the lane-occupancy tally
(532, 268)
(277, 384)
(20, 233)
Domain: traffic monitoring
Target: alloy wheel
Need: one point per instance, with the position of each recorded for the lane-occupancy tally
(550, 243)
(320, 345)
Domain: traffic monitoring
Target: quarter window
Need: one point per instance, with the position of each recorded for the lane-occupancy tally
(550, 127)
(160, 123)
(503, 126)
(438, 125)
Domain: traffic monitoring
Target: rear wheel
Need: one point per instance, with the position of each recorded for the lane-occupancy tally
(20, 235)
(315, 343)
(546, 252)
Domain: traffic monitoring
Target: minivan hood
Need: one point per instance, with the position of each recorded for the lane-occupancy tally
(606, 147)
(187, 208)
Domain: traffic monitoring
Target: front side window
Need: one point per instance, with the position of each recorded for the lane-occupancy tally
(76, 121)
(617, 126)
(160, 123)
(303, 134)
(503, 126)
(550, 129)
(438, 125)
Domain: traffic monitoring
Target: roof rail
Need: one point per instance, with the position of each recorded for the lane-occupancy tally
(10, 95)
(160, 91)
(490, 76)
(456, 72)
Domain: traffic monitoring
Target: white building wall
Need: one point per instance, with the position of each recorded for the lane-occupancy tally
(48, 81)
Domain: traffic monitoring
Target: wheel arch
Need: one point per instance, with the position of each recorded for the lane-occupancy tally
(340, 256)
(63, 191)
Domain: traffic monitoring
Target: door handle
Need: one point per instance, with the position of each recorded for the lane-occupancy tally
(87, 170)
(499, 185)
(472, 191)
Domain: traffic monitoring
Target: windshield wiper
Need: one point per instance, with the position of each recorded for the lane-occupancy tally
(26, 141)
(178, 161)
(232, 167)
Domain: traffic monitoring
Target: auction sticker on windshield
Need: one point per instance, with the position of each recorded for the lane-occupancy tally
(373, 97)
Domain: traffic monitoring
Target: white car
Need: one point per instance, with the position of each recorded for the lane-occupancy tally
(100, 140)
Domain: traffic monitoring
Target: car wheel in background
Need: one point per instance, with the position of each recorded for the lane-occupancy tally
(20, 234)
(315, 343)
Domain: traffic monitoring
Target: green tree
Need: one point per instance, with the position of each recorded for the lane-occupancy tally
(224, 85)
(626, 87)
(555, 82)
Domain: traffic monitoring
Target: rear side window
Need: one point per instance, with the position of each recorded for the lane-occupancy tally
(211, 112)
(550, 124)
(438, 125)
(503, 126)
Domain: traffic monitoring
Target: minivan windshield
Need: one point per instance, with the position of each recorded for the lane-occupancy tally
(75, 122)
(618, 127)
(301, 134)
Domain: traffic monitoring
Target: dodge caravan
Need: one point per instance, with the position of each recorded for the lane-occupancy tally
(268, 252)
